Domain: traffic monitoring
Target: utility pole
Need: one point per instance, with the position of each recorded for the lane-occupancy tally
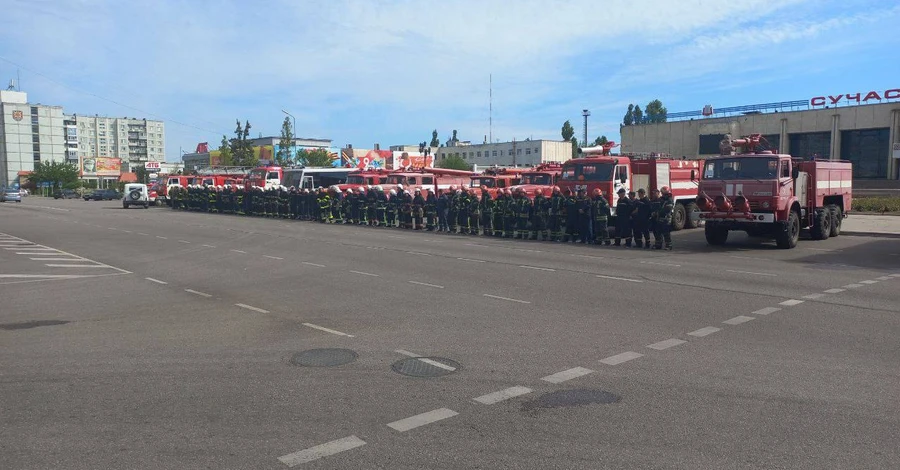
(514, 152)
(585, 113)
(491, 107)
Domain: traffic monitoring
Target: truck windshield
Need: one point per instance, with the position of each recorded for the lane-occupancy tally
(258, 174)
(588, 172)
(741, 168)
(537, 178)
(356, 179)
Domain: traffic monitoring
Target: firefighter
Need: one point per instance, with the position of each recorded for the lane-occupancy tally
(371, 201)
(363, 206)
(539, 215)
(523, 214)
(443, 208)
(600, 213)
(346, 207)
(337, 216)
(557, 214)
(452, 211)
(380, 206)
(474, 212)
(418, 210)
(430, 210)
(391, 209)
(655, 204)
(210, 198)
(664, 219)
(623, 219)
(499, 213)
(406, 210)
(585, 221)
(462, 210)
(509, 214)
(571, 217)
(293, 202)
(324, 205)
(486, 208)
(641, 219)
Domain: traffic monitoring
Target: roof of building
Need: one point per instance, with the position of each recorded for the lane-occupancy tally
(128, 177)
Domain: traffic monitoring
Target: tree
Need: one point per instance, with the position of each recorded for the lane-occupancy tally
(142, 175)
(225, 155)
(574, 141)
(629, 116)
(58, 174)
(435, 142)
(602, 140)
(568, 131)
(284, 156)
(454, 135)
(638, 115)
(656, 112)
(314, 157)
(453, 162)
(241, 147)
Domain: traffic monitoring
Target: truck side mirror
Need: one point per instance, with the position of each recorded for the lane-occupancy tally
(693, 175)
(795, 172)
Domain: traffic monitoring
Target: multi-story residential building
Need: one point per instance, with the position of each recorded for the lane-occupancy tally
(29, 133)
(134, 141)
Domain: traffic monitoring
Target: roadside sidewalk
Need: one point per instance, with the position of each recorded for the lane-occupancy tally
(871, 225)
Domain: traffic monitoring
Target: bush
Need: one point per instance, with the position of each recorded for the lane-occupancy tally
(876, 204)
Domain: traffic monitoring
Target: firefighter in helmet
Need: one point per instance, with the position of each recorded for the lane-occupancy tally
(664, 219)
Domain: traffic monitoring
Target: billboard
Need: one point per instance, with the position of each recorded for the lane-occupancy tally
(363, 158)
(101, 166)
(264, 152)
(411, 161)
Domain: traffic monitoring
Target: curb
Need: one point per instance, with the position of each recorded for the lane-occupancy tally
(870, 234)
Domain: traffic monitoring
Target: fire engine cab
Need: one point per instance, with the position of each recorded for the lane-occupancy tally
(540, 178)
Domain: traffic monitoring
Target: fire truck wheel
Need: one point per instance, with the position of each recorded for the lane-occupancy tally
(715, 235)
(837, 217)
(691, 209)
(821, 227)
(678, 217)
(789, 237)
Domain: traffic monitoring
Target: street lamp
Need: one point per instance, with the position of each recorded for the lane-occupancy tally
(294, 141)
(585, 113)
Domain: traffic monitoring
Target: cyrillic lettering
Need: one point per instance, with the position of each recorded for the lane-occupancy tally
(892, 94)
(853, 97)
(872, 95)
(817, 101)
(834, 100)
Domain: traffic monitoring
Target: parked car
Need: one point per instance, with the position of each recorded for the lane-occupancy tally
(65, 194)
(102, 195)
(136, 194)
(10, 195)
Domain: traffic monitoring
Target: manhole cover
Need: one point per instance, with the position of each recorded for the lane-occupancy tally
(326, 357)
(31, 324)
(425, 366)
(576, 397)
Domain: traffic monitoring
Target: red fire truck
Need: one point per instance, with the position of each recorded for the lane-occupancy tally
(435, 178)
(366, 177)
(771, 195)
(495, 179)
(542, 177)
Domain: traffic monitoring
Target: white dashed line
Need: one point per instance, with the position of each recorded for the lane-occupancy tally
(567, 374)
(620, 358)
(506, 298)
(814, 296)
(852, 286)
(884, 278)
(76, 265)
(364, 273)
(538, 268)
(312, 264)
(272, 257)
(766, 311)
(126, 231)
(239, 251)
(895, 275)
(661, 264)
(868, 282)
(429, 417)
(426, 284)
(183, 241)
(791, 302)
(321, 450)
(751, 272)
(704, 331)
(669, 343)
(618, 278)
(418, 253)
(36, 253)
(201, 294)
(155, 280)
(143, 234)
(208, 246)
(112, 228)
(834, 291)
(738, 320)
(250, 307)
(162, 238)
(472, 260)
(426, 360)
(55, 259)
(505, 394)
(327, 330)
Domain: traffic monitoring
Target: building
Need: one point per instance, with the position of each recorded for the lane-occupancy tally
(299, 142)
(866, 134)
(264, 147)
(521, 153)
(131, 140)
(29, 133)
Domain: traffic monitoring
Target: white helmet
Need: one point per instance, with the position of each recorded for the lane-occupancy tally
(393, 193)
(334, 188)
(379, 188)
(399, 187)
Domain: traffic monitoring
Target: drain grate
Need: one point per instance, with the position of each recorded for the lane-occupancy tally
(574, 397)
(426, 366)
(324, 357)
(31, 324)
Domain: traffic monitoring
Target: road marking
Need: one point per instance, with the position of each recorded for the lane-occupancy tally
(538, 268)
(791, 302)
(661, 264)
(76, 265)
(364, 273)
(895, 275)
(589, 256)
(852, 286)
(426, 284)
(743, 257)
(823, 249)
(426, 360)
(567, 374)
(814, 296)
(51, 276)
(322, 450)
(239, 251)
(126, 231)
(143, 234)
(884, 278)
(751, 272)
(472, 260)
(834, 291)
(620, 358)
(738, 320)
(192, 291)
(155, 280)
(183, 241)
(112, 228)
(250, 307)
(208, 246)
(418, 253)
(39, 253)
(328, 330)
(429, 417)
(505, 394)
(272, 257)
(704, 331)
(669, 343)
(766, 311)
(313, 264)
(163, 238)
(395, 236)
(618, 278)
(506, 298)
(55, 259)
(868, 282)
(32, 248)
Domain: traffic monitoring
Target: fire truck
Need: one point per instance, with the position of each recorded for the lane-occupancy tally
(366, 177)
(434, 178)
(495, 179)
(300, 177)
(611, 173)
(542, 177)
(772, 195)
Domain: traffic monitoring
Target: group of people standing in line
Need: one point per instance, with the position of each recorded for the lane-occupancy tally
(559, 216)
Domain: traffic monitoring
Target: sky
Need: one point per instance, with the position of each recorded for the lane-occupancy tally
(389, 72)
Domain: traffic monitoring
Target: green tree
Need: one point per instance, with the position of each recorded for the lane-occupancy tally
(435, 142)
(568, 131)
(142, 174)
(574, 141)
(284, 156)
(58, 174)
(241, 147)
(656, 112)
(629, 116)
(602, 140)
(225, 154)
(314, 157)
(638, 115)
(453, 162)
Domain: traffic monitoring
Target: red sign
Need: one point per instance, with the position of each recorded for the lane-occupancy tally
(17, 115)
(707, 110)
(891, 94)
(151, 165)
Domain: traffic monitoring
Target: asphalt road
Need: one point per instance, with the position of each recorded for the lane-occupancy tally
(160, 339)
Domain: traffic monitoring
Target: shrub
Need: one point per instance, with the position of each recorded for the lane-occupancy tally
(876, 204)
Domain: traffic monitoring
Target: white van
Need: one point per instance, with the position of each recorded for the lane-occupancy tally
(136, 194)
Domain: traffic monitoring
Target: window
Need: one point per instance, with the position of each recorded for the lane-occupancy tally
(868, 149)
(528, 151)
(35, 138)
(742, 168)
(103, 141)
(709, 144)
(102, 133)
(427, 180)
(494, 153)
(785, 169)
(537, 150)
(36, 147)
(471, 154)
(273, 175)
(34, 110)
(588, 172)
(37, 156)
(35, 129)
(808, 144)
(518, 151)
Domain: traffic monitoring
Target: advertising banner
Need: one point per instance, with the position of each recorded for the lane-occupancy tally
(411, 161)
(364, 158)
(101, 166)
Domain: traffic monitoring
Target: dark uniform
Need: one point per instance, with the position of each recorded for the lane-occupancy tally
(380, 207)
(641, 222)
(499, 213)
(406, 210)
(509, 216)
(664, 222)
(430, 211)
(443, 207)
(418, 211)
(347, 207)
(540, 210)
(523, 215)
(392, 206)
(571, 209)
(623, 220)
(557, 215)
(486, 207)
(600, 212)
(474, 212)
(371, 201)
(585, 222)
(462, 211)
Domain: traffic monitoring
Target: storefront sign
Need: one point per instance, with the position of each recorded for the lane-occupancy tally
(857, 98)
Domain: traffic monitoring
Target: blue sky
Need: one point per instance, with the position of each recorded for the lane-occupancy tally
(389, 72)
